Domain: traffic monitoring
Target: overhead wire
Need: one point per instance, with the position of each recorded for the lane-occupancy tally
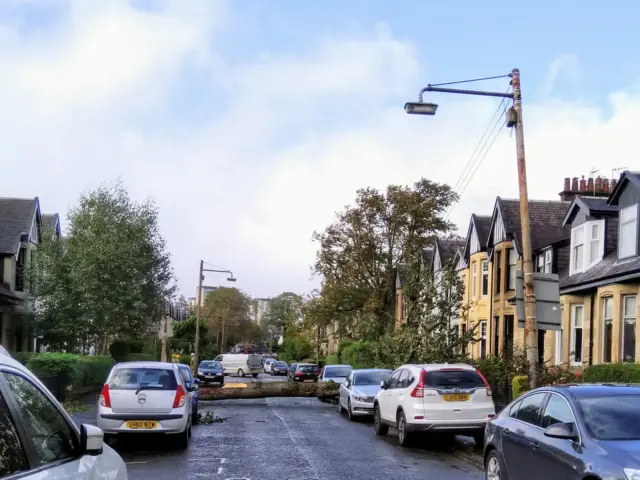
(471, 80)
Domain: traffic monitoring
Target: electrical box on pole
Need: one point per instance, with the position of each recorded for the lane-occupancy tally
(548, 312)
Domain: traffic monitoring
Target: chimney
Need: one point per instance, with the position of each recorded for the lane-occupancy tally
(574, 185)
(605, 185)
(598, 185)
(590, 185)
(567, 184)
(612, 184)
(583, 185)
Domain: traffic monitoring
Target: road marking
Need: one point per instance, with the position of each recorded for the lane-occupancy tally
(220, 470)
(222, 460)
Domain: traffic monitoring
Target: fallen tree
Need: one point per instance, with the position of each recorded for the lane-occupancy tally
(321, 390)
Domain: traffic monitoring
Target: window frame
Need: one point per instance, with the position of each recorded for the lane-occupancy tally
(603, 324)
(573, 338)
(634, 220)
(483, 338)
(574, 267)
(540, 264)
(573, 413)
(484, 274)
(541, 408)
(32, 456)
(512, 269)
(548, 261)
(624, 316)
(474, 280)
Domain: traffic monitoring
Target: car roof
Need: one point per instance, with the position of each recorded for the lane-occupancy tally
(337, 366)
(364, 370)
(146, 365)
(431, 367)
(582, 390)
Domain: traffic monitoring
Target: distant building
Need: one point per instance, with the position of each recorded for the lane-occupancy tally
(260, 308)
(191, 301)
(206, 290)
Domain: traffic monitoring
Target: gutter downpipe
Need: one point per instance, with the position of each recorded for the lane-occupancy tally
(593, 304)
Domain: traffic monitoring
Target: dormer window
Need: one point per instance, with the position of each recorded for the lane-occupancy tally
(628, 237)
(587, 245)
(545, 262)
(577, 249)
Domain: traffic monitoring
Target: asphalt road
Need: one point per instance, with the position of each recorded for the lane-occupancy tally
(288, 439)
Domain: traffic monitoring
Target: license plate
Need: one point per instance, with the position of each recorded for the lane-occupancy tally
(141, 425)
(210, 376)
(308, 381)
(455, 397)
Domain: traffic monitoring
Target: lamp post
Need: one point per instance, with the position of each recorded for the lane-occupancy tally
(514, 119)
(230, 278)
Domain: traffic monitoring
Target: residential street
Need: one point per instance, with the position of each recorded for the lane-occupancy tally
(288, 439)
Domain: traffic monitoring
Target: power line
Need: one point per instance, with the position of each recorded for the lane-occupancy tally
(469, 81)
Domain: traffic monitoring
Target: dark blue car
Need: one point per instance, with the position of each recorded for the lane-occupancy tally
(210, 371)
(192, 388)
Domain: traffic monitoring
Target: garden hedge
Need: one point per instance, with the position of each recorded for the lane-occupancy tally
(612, 373)
(81, 372)
(332, 359)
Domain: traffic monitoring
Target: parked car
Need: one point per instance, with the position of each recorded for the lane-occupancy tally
(192, 388)
(210, 371)
(279, 368)
(143, 398)
(568, 432)
(451, 398)
(267, 365)
(292, 371)
(306, 372)
(40, 440)
(358, 391)
(240, 364)
(335, 373)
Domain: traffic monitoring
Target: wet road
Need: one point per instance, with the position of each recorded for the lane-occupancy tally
(289, 439)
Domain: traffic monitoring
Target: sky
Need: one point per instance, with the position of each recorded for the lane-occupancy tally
(250, 123)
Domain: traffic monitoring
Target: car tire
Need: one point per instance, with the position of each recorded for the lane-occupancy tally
(404, 437)
(493, 466)
(109, 439)
(241, 372)
(379, 427)
(478, 437)
(182, 439)
(350, 411)
(254, 375)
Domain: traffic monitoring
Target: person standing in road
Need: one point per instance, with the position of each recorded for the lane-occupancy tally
(193, 364)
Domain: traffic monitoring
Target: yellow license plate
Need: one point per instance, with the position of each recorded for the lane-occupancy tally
(141, 425)
(455, 397)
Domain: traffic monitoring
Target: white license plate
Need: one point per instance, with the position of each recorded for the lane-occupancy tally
(211, 376)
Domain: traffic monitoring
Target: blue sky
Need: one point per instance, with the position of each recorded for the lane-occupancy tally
(251, 122)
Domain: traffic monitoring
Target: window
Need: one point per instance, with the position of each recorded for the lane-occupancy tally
(513, 259)
(629, 328)
(513, 411)
(628, 236)
(50, 436)
(446, 379)
(496, 335)
(595, 237)
(474, 279)
(540, 267)
(151, 378)
(403, 381)
(483, 339)
(498, 270)
(529, 410)
(548, 257)
(607, 329)
(557, 411)
(20, 269)
(577, 249)
(12, 456)
(485, 278)
(612, 417)
(576, 334)
(393, 381)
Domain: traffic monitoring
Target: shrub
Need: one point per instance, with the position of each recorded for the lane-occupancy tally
(358, 354)
(499, 372)
(80, 371)
(120, 350)
(92, 370)
(22, 357)
(519, 385)
(141, 357)
(612, 373)
(185, 359)
(54, 364)
(342, 346)
(332, 359)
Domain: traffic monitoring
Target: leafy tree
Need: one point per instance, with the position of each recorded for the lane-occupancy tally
(108, 278)
(228, 314)
(284, 313)
(360, 252)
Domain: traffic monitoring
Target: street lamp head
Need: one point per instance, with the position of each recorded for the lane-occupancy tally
(420, 108)
(231, 279)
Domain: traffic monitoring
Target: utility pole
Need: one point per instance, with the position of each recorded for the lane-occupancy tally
(530, 331)
(198, 301)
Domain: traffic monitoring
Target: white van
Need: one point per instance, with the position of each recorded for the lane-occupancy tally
(240, 364)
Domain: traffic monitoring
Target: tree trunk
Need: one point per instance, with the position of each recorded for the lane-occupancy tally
(324, 390)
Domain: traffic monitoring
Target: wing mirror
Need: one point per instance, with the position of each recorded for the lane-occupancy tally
(561, 430)
(91, 440)
(383, 385)
(197, 380)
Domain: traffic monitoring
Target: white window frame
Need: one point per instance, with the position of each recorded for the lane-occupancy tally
(540, 266)
(589, 244)
(632, 220)
(573, 326)
(627, 316)
(595, 243)
(605, 319)
(558, 352)
(483, 338)
(574, 266)
(474, 280)
(484, 272)
(548, 261)
(512, 268)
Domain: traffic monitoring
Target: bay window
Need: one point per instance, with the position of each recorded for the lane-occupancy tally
(511, 269)
(607, 329)
(628, 235)
(587, 245)
(575, 354)
(485, 278)
(629, 328)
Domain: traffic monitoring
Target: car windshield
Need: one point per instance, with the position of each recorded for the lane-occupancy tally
(371, 378)
(280, 364)
(209, 364)
(337, 372)
(135, 378)
(308, 368)
(453, 379)
(612, 417)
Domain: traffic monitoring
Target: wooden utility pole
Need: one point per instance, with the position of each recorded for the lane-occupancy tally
(198, 301)
(530, 331)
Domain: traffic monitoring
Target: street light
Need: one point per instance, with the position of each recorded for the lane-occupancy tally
(231, 278)
(420, 108)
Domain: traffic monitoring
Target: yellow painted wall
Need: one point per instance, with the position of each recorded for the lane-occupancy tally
(478, 306)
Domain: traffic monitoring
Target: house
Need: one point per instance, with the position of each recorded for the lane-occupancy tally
(475, 271)
(602, 279)
(172, 312)
(20, 231)
(52, 222)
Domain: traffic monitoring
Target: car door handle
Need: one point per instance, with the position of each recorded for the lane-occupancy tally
(534, 445)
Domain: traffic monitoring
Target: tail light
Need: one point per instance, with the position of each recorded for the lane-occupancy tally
(105, 399)
(418, 391)
(486, 383)
(180, 397)
(298, 374)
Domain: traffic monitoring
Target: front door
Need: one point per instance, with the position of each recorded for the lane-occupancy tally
(386, 398)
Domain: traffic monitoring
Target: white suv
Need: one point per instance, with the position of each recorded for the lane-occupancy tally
(447, 398)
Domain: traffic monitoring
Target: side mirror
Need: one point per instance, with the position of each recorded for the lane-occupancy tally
(383, 385)
(91, 440)
(197, 380)
(561, 430)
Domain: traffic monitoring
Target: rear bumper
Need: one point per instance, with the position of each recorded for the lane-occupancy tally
(115, 423)
(458, 427)
(211, 378)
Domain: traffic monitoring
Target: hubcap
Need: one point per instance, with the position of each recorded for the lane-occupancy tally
(493, 469)
(401, 429)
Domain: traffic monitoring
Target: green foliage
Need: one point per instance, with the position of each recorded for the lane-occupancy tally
(500, 371)
(22, 357)
(612, 373)
(231, 308)
(54, 363)
(283, 314)
(519, 385)
(185, 359)
(107, 279)
(141, 357)
(81, 371)
(296, 349)
(342, 346)
(556, 376)
(358, 354)
(332, 359)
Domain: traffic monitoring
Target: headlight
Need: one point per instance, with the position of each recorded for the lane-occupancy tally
(361, 398)
(200, 372)
(632, 473)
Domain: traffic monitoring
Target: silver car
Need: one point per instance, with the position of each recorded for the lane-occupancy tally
(359, 390)
(335, 373)
(146, 397)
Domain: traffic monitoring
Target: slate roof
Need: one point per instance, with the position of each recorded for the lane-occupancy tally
(16, 216)
(482, 224)
(545, 217)
(447, 248)
(50, 219)
(608, 269)
(592, 205)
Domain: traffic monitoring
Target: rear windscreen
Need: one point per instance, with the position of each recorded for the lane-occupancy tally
(309, 368)
(135, 378)
(337, 372)
(453, 379)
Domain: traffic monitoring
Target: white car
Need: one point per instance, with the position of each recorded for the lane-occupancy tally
(146, 397)
(359, 390)
(268, 364)
(335, 373)
(447, 398)
(39, 439)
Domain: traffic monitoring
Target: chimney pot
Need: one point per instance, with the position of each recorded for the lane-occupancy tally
(599, 185)
(574, 184)
(567, 184)
(605, 185)
(583, 185)
(613, 184)
(590, 185)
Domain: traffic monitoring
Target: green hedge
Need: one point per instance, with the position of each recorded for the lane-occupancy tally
(519, 385)
(612, 373)
(141, 357)
(332, 359)
(185, 359)
(358, 354)
(81, 371)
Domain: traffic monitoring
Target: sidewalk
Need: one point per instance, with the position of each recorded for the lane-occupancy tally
(90, 415)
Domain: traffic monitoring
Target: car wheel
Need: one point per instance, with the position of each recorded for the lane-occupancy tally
(349, 411)
(183, 438)
(254, 375)
(340, 407)
(493, 466)
(404, 437)
(194, 417)
(241, 373)
(379, 427)
(222, 381)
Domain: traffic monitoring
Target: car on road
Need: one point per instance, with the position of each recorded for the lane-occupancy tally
(306, 372)
(267, 365)
(241, 364)
(210, 371)
(279, 368)
(192, 387)
(292, 371)
(335, 373)
(568, 432)
(446, 398)
(358, 391)
(143, 398)
(39, 439)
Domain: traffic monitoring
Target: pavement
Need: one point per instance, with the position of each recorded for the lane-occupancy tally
(291, 439)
